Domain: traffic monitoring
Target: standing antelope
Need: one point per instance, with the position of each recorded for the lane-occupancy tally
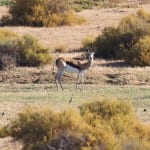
(79, 68)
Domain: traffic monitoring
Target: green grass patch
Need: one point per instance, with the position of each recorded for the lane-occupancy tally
(5, 2)
(21, 94)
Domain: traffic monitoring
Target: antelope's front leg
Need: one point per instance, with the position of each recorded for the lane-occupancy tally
(58, 79)
(82, 80)
(78, 77)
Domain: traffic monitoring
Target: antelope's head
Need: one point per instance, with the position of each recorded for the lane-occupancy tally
(91, 53)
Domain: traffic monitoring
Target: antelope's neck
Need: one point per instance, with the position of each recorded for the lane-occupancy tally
(86, 65)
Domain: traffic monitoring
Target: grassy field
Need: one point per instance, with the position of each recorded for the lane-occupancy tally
(13, 98)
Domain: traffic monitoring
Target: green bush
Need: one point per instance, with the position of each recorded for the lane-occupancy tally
(107, 124)
(108, 44)
(139, 53)
(21, 51)
(31, 53)
(116, 43)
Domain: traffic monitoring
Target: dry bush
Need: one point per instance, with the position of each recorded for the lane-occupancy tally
(21, 51)
(7, 34)
(141, 13)
(139, 54)
(41, 13)
(8, 49)
(8, 53)
(120, 118)
(101, 124)
(31, 53)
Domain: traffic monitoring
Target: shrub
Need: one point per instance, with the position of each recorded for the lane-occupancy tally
(117, 43)
(25, 51)
(106, 109)
(41, 13)
(108, 44)
(31, 53)
(139, 53)
(8, 49)
(131, 28)
(120, 118)
(107, 124)
(38, 128)
(8, 54)
(141, 13)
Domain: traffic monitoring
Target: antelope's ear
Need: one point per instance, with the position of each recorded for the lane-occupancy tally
(88, 51)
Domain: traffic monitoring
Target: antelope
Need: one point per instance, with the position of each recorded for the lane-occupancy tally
(68, 66)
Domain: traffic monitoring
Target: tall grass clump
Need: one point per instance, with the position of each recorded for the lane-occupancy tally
(41, 13)
(101, 124)
(21, 51)
(118, 42)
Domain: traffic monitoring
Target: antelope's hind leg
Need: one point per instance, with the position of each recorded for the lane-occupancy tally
(58, 79)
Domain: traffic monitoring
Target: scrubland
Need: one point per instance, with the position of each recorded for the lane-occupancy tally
(111, 79)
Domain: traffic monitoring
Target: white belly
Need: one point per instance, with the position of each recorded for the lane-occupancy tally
(71, 69)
